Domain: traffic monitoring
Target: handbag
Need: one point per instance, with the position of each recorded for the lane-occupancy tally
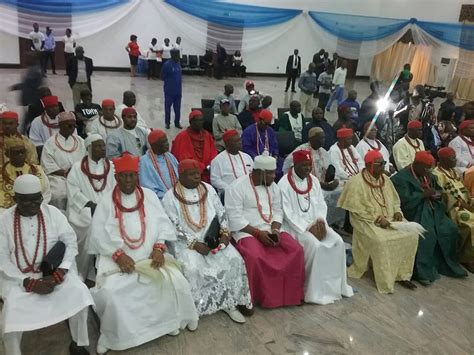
(53, 259)
(213, 234)
(330, 174)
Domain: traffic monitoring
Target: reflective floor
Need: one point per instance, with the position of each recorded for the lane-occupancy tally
(434, 320)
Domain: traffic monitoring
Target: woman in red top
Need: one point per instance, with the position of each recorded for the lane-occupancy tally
(133, 52)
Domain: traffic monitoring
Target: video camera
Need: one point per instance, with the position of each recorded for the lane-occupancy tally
(432, 92)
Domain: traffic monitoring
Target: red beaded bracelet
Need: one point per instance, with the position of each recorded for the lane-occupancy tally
(117, 254)
(31, 285)
(160, 246)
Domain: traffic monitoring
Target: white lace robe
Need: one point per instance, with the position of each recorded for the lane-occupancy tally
(218, 281)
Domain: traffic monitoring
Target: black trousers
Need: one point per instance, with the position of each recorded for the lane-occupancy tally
(67, 56)
(152, 68)
(323, 100)
(291, 77)
(49, 56)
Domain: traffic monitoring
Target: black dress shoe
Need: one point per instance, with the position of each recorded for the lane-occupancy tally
(407, 284)
(167, 126)
(293, 90)
(77, 350)
(178, 126)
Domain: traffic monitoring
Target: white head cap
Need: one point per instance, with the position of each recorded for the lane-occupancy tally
(27, 184)
(264, 162)
(91, 138)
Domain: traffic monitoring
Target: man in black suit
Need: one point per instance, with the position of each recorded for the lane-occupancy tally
(79, 70)
(293, 70)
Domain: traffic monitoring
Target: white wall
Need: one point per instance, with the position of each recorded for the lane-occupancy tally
(151, 18)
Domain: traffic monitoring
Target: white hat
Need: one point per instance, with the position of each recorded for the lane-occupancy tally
(264, 162)
(91, 138)
(27, 184)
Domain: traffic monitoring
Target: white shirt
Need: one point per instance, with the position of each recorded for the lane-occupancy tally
(69, 44)
(350, 168)
(464, 153)
(295, 61)
(97, 126)
(339, 76)
(363, 147)
(320, 157)
(37, 38)
(39, 132)
(166, 51)
(81, 71)
(404, 153)
(226, 168)
(177, 47)
(296, 125)
(152, 51)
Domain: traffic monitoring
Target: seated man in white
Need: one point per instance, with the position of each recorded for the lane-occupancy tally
(89, 179)
(107, 121)
(60, 152)
(370, 142)
(231, 163)
(140, 293)
(35, 296)
(217, 276)
(405, 149)
(344, 156)
(304, 218)
(463, 145)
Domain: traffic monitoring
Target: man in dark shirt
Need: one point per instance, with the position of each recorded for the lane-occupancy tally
(251, 114)
(221, 56)
(318, 120)
(293, 70)
(85, 111)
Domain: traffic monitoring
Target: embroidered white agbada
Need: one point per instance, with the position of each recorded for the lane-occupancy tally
(325, 261)
(351, 168)
(54, 158)
(367, 144)
(404, 153)
(79, 193)
(218, 281)
(24, 311)
(321, 162)
(97, 126)
(226, 168)
(133, 308)
(39, 132)
(464, 153)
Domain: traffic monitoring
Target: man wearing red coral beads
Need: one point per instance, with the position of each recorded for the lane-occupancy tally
(463, 145)
(260, 137)
(196, 143)
(46, 125)
(140, 292)
(344, 156)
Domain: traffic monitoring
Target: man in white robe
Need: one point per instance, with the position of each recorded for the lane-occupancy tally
(304, 218)
(321, 162)
(88, 180)
(231, 163)
(140, 293)
(215, 270)
(370, 142)
(463, 145)
(46, 125)
(345, 158)
(129, 138)
(405, 149)
(107, 122)
(60, 152)
(33, 300)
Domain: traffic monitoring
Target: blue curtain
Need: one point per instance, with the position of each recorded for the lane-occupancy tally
(234, 15)
(63, 7)
(458, 35)
(357, 28)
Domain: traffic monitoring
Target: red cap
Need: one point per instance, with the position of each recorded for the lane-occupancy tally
(128, 111)
(464, 124)
(9, 115)
(344, 132)
(266, 115)
(371, 156)
(414, 124)
(194, 114)
(188, 164)
(425, 157)
(126, 163)
(229, 134)
(49, 101)
(300, 156)
(108, 102)
(446, 152)
(155, 135)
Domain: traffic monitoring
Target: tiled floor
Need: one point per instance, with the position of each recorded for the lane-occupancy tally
(434, 320)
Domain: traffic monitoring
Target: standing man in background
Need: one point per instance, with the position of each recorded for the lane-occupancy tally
(166, 51)
(338, 81)
(79, 69)
(308, 84)
(49, 50)
(69, 45)
(37, 39)
(293, 70)
(172, 87)
(152, 62)
(177, 46)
